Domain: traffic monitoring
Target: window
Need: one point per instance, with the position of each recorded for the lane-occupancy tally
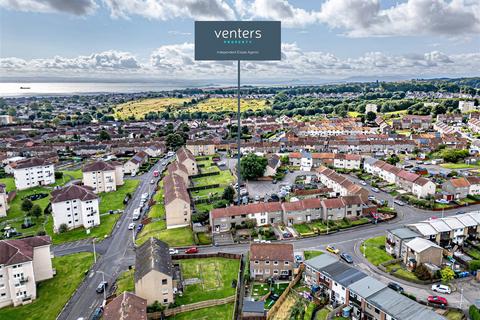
(286, 263)
(164, 281)
(275, 262)
(256, 262)
(267, 262)
(165, 300)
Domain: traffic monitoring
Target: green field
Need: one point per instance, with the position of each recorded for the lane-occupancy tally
(114, 200)
(125, 282)
(54, 293)
(222, 312)
(225, 177)
(375, 250)
(309, 254)
(215, 277)
(9, 182)
(228, 105)
(139, 108)
(455, 166)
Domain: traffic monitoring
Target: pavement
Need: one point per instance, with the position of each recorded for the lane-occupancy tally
(116, 254)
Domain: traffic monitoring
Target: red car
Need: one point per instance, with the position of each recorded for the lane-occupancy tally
(191, 250)
(437, 300)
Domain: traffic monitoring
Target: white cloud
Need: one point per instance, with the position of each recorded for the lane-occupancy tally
(171, 9)
(75, 7)
(176, 61)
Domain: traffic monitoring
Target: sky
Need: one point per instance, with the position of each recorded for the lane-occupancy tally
(321, 40)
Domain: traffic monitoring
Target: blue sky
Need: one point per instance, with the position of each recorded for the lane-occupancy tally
(322, 39)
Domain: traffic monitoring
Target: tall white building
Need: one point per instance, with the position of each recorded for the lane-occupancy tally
(33, 172)
(103, 176)
(76, 206)
(23, 263)
(466, 106)
(3, 201)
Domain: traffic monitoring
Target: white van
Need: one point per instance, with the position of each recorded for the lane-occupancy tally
(136, 214)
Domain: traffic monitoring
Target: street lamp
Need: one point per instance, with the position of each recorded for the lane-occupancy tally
(94, 251)
(104, 286)
(364, 250)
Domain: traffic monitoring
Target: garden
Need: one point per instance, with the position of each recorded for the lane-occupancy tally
(374, 250)
(221, 312)
(320, 226)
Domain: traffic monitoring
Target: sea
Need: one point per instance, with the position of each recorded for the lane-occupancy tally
(25, 89)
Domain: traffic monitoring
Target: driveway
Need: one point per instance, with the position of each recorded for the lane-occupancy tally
(262, 188)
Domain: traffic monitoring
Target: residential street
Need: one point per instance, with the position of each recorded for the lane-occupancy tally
(116, 255)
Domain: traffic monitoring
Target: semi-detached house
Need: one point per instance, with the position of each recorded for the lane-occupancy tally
(461, 187)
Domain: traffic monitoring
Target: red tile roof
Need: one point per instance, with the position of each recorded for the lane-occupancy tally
(246, 209)
(20, 250)
(126, 306)
(271, 252)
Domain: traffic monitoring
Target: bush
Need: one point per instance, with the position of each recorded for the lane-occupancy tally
(27, 205)
(200, 217)
(220, 204)
(474, 265)
(474, 312)
(58, 175)
(155, 307)
(422, 273)
(63, 228)
(41, 233)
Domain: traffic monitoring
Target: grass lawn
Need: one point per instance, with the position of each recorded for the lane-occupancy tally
(225, 177)
(353, 114)
(259, 290)
(309, 254)
(208, 192)
(474, 253)
(302, 228)
(114, 200)
(54, 293)
(76, 174)
(322, 314)
(375, 250)
(9, 182)
(401, 271)
(178, 237)
(204, 207)
(222, 312)
(454, 315)
(125, 282)
(459, 166)
(204, 238)
(215, 275)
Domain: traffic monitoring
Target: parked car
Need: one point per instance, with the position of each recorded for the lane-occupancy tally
(346, 257)
(152, 181)
(399, 202)
(371, 198)
(131, 226)
(139, 227)
(438, 300)
(191, 250)
(298, 258)
(173, 251)
(97, 314)
(375, 189)
(441, 288)
(395, 286)
(274, 181)
(363, 183)
(287, 235)
(101, 286)
(332, 249)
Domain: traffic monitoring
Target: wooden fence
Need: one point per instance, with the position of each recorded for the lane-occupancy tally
(285, 293)
(190, 307)
(207, 255)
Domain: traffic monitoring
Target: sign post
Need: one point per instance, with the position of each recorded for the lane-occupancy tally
(238, 40)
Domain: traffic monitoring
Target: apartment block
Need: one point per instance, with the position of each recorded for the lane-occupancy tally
(103, 176)
(33, 172)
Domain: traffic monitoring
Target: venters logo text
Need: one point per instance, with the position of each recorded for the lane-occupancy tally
(238, 36)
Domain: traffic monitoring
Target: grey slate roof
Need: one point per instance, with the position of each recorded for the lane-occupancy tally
(404, 233)
(335, 269)
(401, 307)
(366, 287)
(321, 261)
(253, 306)
(349, 277)
(152, 255)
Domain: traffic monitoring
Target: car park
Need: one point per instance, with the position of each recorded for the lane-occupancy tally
(395, 286)
(131, 226)
(101, 286)
(441, 288)
(346, 257)
(438, 300)
(191, 250)
(332, 249)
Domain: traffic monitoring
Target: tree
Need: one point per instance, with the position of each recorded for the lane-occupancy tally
(253, 166)
(422, 272)
(63, 228)
(174, 141)
(228, 194)
(58, 175)
(371, 116)
(36, 211)
(447, 274)
(393, 160)
(220, 204)
(104, 135)
(27, 205)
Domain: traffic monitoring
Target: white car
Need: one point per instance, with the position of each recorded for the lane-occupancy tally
(131, 226)
(152, 181)
(441, 288)
(375, 189)
(363, 183)
(173, 251)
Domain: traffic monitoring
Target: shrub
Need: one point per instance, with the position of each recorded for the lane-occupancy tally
(220, 204)
(474, 312)
(27, 205)
(63, 228)
(155, 307)
(58, 175)
(474, 265)
(447, 274)
(422, 273)
(41, 233)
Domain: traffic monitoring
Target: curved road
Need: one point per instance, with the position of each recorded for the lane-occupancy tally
(117, 251)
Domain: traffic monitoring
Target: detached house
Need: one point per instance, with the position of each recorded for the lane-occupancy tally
(461, 187)
(23, 263)
(33, 172)
(421, 251)
(75, 206)
(154, 272)
(103, 176)
(3, 201)
(186, 158)
(272, 260)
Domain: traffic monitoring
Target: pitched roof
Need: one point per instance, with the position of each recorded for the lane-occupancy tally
(98, 166)
(420, 244)
(246, 209)
(73, 192)
(153, 254)
(421, 181)
(408, 176)
(20, 250)
(333, 203)
(425, 229)
(31, 162)
(139, 157)
(366, 287)
(271, 251)
(459, 183)
(321, 261)
(175, 188)
(126, 306)
(184, 154)
(404, 233)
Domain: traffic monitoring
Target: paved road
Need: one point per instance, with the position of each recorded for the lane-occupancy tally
(117, 254)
